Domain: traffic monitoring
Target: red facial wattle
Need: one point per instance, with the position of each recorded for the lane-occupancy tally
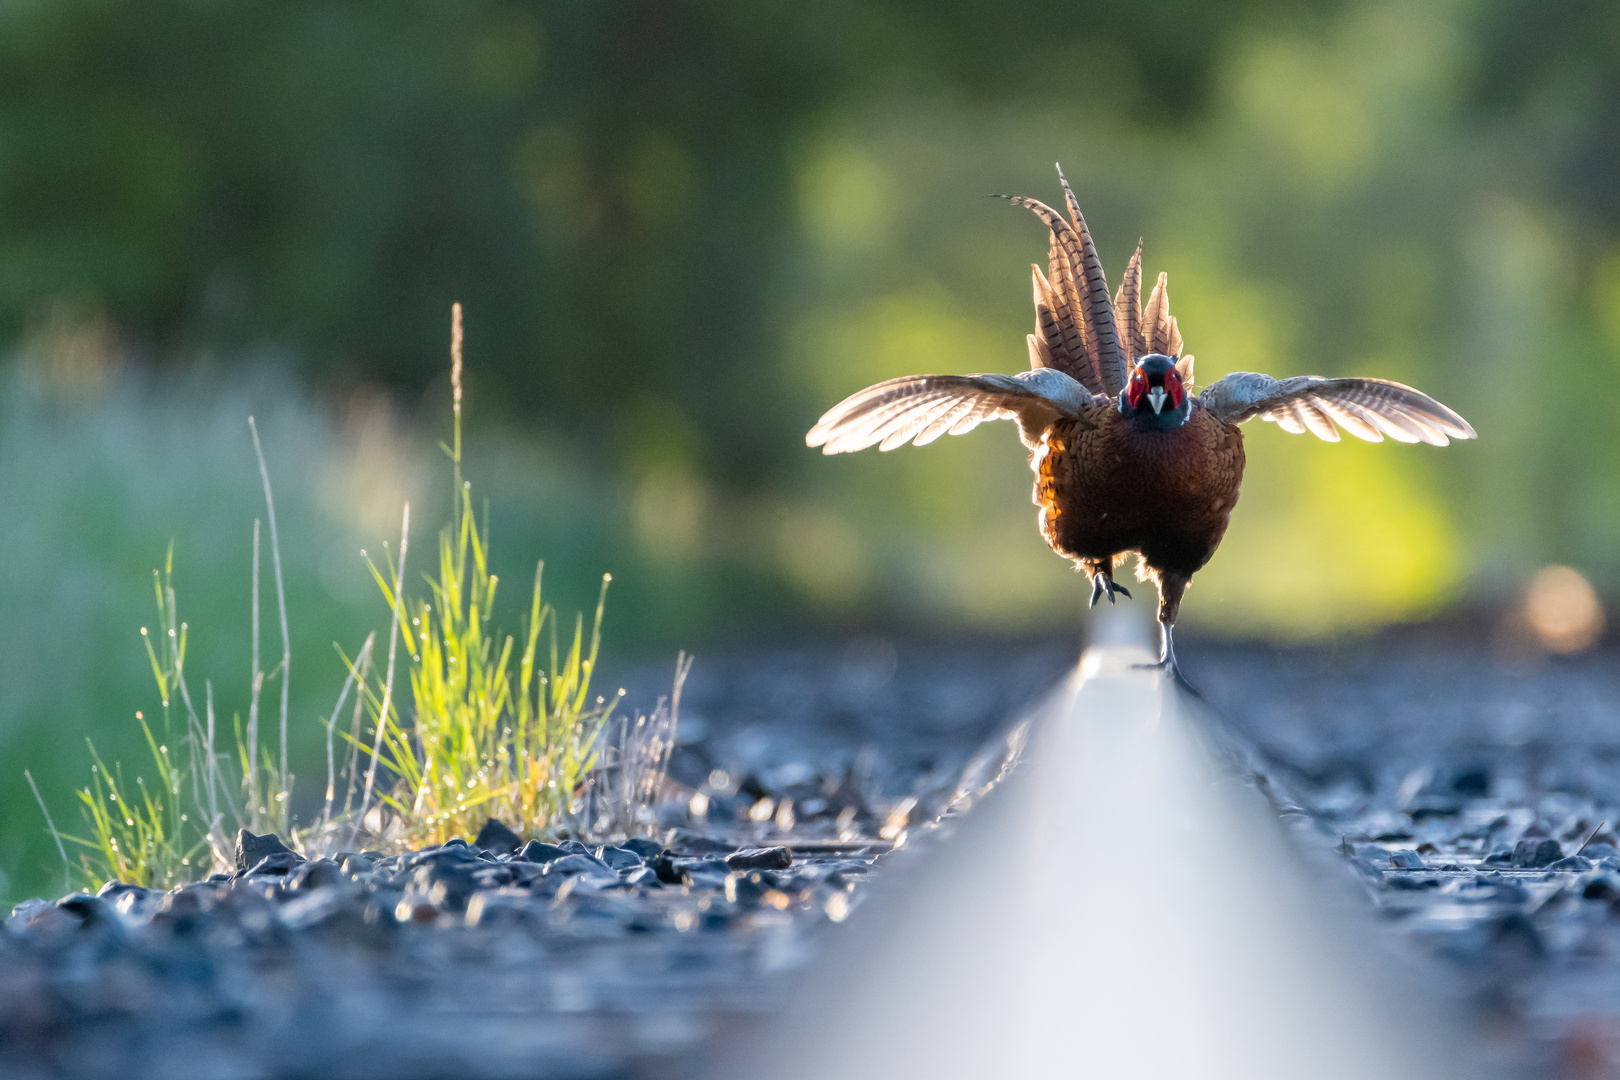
(1139, 392)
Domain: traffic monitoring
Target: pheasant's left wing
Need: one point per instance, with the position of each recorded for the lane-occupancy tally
(1367, 408)
(920, 408)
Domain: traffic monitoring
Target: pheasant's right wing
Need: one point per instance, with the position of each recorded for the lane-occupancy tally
(1367, 408)
(920, 408)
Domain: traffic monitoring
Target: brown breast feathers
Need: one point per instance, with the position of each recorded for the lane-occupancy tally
(1112, 488)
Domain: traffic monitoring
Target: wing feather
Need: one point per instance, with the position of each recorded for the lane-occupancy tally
(1315, 419)
(1357, 421)
(1286, 420)
(1368, 408)
(946, 421)
(920, 408)
(915, 422)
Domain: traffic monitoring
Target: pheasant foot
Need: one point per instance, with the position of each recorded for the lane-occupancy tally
(1167, 661)
(1100, 583)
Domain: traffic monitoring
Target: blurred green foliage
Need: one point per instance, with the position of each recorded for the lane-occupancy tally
(682, 231)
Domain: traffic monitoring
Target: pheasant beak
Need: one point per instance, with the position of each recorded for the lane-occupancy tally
(1156, 397)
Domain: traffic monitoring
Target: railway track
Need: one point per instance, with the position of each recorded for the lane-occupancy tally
(1149, 917)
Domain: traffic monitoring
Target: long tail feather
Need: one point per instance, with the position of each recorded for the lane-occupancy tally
(1128, 308)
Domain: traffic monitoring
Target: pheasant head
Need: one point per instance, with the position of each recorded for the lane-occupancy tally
(1156, 396)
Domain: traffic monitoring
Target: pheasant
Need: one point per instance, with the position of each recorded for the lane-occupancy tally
(1127, 459)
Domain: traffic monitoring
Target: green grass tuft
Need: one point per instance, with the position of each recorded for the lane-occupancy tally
(495, 728)
(492, 733)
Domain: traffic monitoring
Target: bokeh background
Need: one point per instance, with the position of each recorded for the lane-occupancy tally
(680, 232)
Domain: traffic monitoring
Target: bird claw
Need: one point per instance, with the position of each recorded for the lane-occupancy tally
(1102, 582)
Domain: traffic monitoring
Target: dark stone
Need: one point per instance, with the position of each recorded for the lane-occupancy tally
(1428, 806)
(493, 877)
(112, 890)
(91, 910)
(448, 855)
(707, 872)
(775, 880)
(536, 852)
(497, 838)
(1535, 852)
(693, 845)
(130, 900)
(574, 847)
(317, 874)
(445, 885)
(356, 864)
(771, 858)
(644, 875)
(646, 850)
(1406, 860)
(277, 863)
(1473, 783)
(27, 909)
(579, 864)
(1411, 881)
(618, 858)
(454, 841)
(251, 850)
(1604, 887)
(744, 889)
(1499, 858)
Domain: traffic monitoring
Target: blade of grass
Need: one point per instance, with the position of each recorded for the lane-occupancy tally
(67, 870)
(256, 686)
(284, 781)
(393, 643)
(331, 772)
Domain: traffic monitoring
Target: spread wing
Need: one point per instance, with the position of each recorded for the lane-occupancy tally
(920, 408)
(1366, 408)
(1074, 320)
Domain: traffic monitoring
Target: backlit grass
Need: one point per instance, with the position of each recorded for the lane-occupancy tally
(495, 731)
(495, 725)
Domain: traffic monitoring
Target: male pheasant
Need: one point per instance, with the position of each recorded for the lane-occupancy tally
(1126, 458)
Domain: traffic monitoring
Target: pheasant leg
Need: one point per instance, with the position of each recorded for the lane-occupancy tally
(1171, 587)
(1167, 660)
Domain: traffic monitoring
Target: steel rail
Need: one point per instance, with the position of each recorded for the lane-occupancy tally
(1126, 904)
